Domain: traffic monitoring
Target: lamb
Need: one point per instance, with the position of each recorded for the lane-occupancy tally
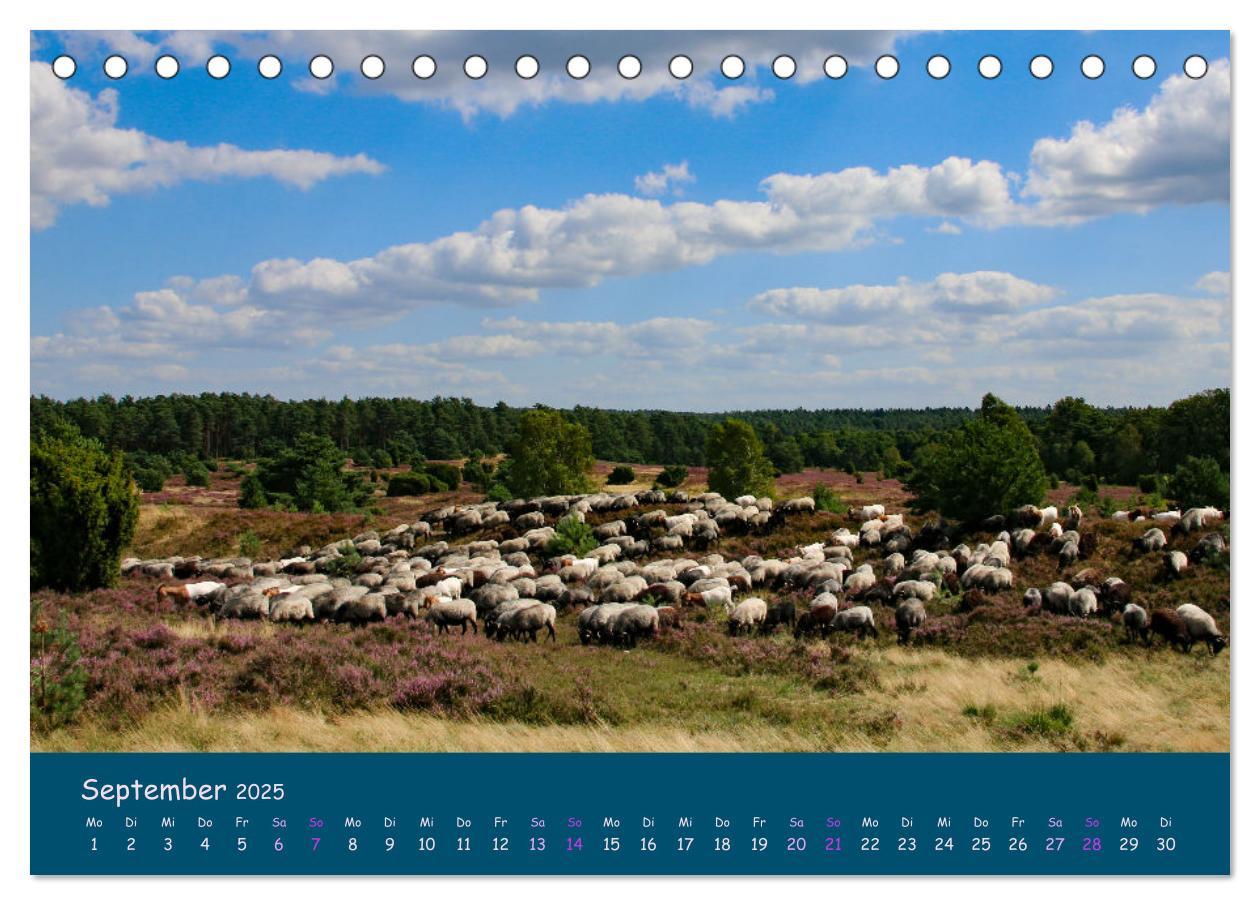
(1175, 562)
(445, 613)
(1200, 626)
(910, 614)
(747, 615)
(1149, 542)
(1171, 627)
(859, 619)
(1137, 623)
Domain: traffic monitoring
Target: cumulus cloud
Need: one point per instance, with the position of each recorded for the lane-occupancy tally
(652, 338)
(79, 155)
(501, 91)
(1175, 151)
(978, 293)
(1217, 282)
(671, 177)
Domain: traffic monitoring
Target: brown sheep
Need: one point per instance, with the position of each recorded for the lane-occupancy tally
(1172, 628)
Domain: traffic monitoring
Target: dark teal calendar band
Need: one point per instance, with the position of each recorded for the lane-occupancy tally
(630, 814)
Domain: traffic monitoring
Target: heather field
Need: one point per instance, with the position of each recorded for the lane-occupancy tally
(979, 677)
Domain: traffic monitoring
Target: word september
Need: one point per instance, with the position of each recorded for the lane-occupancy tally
(94, 790)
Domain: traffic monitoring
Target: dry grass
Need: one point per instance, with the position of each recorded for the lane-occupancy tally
(927, 701)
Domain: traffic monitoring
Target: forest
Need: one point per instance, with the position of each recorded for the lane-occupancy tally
(1076, 440)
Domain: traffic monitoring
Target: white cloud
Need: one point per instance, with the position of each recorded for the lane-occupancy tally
(79, 155)
(1175, 151)
(945, 228)
(978, 293)
(672, 176)
(654, 338)
(1218, 282)
(501, 91)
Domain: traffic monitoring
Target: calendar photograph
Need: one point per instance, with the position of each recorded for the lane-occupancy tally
(608, 392)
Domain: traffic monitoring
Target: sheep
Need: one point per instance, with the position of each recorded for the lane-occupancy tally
(668, 616)
(894, 564)
(249, 605)
(197, 592)
(923, 590)
(1083, 602)
(861, 580)
(866, 513)
(1032, 597)
(1055, 598)
(445, 613)
(1149, 542)
(368, 608)
(1136, 623)
(821, 611)
(859, 619)
(1068, 554)
(1175, 562)
(1115, 593)
(1208, 546)
(634, 623)
(1201, 627)
(998, 580)
(285, 610)
(716, 595)
(910, 615)
(781, 613)
(594, 623)
(530, 620)
(747, 616)
(1171, 627)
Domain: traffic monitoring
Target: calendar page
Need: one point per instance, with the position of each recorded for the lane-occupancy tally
(614, 453)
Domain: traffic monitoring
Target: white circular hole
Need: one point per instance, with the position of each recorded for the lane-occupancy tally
(527, 66)
(372, 66)
(990, 66)
(1041, 66)
(629, 66)
(1093, 66)
(115, 66)
(321, 66)
(680, 66)
(784, 66)
(166, 66)
(475, 66)
(269, 67)
(424, 66)
(1195, 66)
(835, 66)
(938, 66)
(887, 67)
(578, 66)
(1144, 66)
(64, 66)
(732, 66)
(218, 66)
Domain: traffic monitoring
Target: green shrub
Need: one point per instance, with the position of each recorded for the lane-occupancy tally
(827, 500)
(1199, 482)
(58, 680)
(1091, 483)
(249, 544)
(196, 474)
(408, 483)
(622, 474)
(737, 461)
(149, 480)
(1151, 483)
(84, 509)
(251, 495)
(672, 475)
(445, 472)
(498, 493)
(346, 563)
(572, 536)
(382, 459)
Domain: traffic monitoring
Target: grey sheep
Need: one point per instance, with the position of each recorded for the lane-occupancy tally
(1202, 627)
(1137, 623)
(910, 614)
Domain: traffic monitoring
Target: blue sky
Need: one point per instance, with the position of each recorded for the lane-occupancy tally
(852, 242)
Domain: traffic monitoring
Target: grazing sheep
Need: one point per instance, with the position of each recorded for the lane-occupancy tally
(818, 618)
(923, 590)
(669, 616)
(1209, 545)
(250, 605)
(193, 593)
(1055, 598)
(529, 621)
(1068, 554)
(285, 610)
(859, 619)
(634, 623)
(1171, 627)
(1137, 623)
(997, 581)
(368, 608)
(747, 616)
(781, 613)
(1149, 542)
(1115, 594)
(910, 614)
(1083, 602)
(1200, 626)
(1175, 562)
(446, 613)
(718, 595)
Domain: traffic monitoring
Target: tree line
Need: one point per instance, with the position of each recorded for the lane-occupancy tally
(1074, 439)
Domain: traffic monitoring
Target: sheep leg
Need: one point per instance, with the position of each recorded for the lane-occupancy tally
(551, 631)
